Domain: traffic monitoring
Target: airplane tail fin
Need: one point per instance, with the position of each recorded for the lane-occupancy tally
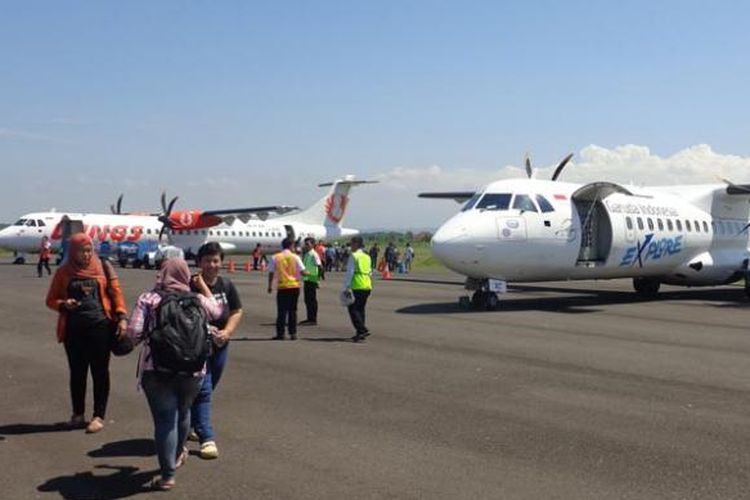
(331, 209)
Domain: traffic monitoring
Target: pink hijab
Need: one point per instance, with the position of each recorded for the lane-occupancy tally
(174, 275)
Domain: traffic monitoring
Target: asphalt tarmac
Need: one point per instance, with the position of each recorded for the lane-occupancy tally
(569, 391)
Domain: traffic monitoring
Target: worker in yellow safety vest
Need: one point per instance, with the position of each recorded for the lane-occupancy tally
(358, 281)
(289, 269)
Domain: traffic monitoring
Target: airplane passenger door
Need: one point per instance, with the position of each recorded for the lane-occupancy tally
(290, 232)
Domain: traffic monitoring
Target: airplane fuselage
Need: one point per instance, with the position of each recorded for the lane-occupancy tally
(533, 230)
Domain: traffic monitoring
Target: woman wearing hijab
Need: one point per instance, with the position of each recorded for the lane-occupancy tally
(169, 397)
(88, 303)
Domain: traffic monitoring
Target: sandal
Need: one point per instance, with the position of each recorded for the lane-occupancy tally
(159, 484)
(181, 458)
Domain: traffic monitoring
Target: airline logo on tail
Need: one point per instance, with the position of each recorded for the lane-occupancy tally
(336, 207)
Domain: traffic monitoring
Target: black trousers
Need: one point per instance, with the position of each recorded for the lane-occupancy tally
(311, 300)
(89, 350)
(357, 310)
(286, 310)
(43, 263)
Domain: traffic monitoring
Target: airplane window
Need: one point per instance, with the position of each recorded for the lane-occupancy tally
(629, 222)
(20, 222)
(669, 225)
(226, 233)
(253, 233)
(660, 224)
(148, 231)
(203, 232)
(640, 223)
(469, 204)
(233, 233)
(523, 202)
(494, 201)
(697, 227)
(31, 222)
(705, 226)
(650, 224)
(679, 225)
(40, 223)
(545, 205)
(266, 234)
(687, 226)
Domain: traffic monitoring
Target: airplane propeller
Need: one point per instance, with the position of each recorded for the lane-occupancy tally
(116, 208)
(166, 212)
(561, 166)
(529, 170)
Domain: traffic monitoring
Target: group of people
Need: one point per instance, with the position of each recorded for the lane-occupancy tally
(177, 373)
(393, 258)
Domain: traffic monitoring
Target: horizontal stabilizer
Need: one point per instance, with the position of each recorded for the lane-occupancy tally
(457, 196)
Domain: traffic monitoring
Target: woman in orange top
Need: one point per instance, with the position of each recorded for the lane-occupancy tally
(88, 304)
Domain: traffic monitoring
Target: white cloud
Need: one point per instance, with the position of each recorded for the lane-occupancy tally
(23, 136)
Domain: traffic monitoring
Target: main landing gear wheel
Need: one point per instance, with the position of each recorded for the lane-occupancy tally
(483, 300)
(646, 287)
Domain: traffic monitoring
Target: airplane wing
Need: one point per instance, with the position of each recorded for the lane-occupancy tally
(281, 209)
(457, 196)
(737, 189)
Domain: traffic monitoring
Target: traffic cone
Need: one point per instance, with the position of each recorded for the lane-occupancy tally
(387, 272)
(248, 267)
(231, 267)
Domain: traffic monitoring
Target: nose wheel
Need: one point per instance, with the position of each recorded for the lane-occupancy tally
(480, 300)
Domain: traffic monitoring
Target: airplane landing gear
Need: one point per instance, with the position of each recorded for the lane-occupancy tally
(482, 298)
(646, 287)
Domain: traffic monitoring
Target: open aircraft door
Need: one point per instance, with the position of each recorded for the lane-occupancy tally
(290, 234)
(596, 225)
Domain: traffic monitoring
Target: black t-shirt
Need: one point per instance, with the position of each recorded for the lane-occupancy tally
(90, 312)
(226, 294)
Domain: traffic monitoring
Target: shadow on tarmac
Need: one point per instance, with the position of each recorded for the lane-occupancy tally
(124, 482)
(585, 301)
(126, 448)
(17, 429)
(329, 339)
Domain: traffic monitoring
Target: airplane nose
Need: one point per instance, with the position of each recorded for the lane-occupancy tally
(447, 240)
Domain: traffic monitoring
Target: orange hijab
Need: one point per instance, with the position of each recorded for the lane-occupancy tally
(72, 269)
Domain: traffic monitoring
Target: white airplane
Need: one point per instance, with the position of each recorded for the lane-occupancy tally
(188, 229)
(531, 230)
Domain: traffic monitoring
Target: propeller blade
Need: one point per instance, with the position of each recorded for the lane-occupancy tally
(171, 204)
(164, 202)
(561, 166)
(119, 204)
(529, 170)
(112, 209)
(161, 232)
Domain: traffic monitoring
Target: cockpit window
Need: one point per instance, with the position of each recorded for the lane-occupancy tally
(31, 222)
(545, 205)
(523, 202)
(20, 222)
(40, 223)
(494, 201)
(472, 201)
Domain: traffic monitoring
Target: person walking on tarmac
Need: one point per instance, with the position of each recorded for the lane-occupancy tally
(314, 268)
(210, 260)
(288, 267)
(45, 252)
(358, 280)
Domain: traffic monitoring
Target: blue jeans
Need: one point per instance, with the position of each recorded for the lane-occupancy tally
(200, 413)
(170, 400)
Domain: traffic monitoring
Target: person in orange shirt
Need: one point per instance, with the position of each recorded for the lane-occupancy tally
(90, 304)
(45, 252)
(289, 269)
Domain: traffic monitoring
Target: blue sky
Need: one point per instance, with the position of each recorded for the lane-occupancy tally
(243, 103)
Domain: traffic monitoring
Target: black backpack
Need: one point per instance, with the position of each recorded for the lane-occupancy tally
(180, 341)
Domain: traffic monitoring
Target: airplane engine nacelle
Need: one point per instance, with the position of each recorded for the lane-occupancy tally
(181, 220)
